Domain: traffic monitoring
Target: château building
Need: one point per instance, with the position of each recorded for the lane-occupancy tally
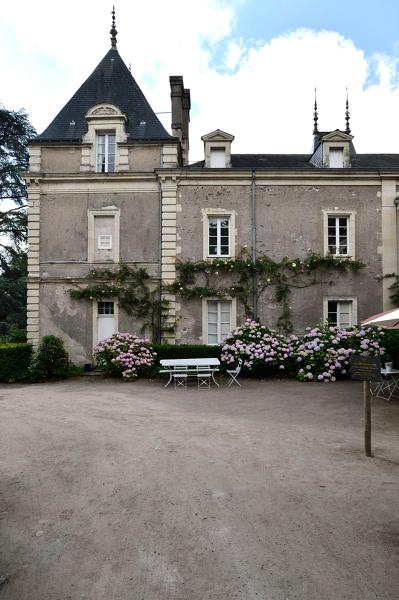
(108, 184)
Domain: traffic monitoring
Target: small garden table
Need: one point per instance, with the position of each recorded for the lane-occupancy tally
(193, 365)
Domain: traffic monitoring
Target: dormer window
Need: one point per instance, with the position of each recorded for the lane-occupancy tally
(217, 149)
(332, 150)
(336, 158)
(218, 158)
(105, 152)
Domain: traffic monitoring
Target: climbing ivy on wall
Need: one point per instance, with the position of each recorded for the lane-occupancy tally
(134, 293)
(247, 280)
(239, 277)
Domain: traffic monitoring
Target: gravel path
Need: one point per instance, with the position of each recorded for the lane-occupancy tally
(114, 491)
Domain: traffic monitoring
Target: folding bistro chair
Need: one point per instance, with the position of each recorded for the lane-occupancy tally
(204, 378)
(234, 374)
(180, 377)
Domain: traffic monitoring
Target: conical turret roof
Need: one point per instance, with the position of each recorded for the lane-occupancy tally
(111, 82)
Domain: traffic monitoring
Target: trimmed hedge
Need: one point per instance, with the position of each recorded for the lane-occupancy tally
(165, 351)
(14, 361)
(170, 351)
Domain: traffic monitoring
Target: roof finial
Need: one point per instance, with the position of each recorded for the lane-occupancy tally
(113, 31)
(347, 115)
(315, 115)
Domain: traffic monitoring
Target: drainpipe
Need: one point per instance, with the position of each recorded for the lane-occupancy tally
(159, 316)
(253, 241)
(396, 202)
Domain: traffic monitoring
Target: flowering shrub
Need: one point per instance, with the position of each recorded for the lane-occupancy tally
(258, 347)
(324, 353)
(124, 354)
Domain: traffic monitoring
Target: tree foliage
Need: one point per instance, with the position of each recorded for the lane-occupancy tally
(15, 132)
(13, 291)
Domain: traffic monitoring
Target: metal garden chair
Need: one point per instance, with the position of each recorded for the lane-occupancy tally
(234, 374)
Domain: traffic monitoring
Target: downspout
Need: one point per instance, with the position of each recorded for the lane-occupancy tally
(396, 202)
(159, 316)
(253, 242)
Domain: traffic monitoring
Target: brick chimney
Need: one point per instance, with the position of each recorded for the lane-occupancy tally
(181, 104)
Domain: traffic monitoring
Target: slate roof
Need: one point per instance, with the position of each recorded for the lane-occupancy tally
(301, 162)
(111, 82)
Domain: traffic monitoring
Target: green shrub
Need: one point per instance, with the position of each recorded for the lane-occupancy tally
(50, 360)
(390, 341)
(16, 334)
(14, 361)
(13, 334)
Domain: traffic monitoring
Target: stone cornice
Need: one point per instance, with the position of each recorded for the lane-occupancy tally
(316, 177)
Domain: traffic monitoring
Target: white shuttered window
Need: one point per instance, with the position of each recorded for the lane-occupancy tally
(218, 158)
(336, 158)
(219, 320)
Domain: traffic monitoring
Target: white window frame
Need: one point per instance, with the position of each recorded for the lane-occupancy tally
(106, 155)
(337, 213)
(208, 213)
(338, 299)
(92, 242)
(96, 316)
(337, 234)
(219, 221)
(233, 317)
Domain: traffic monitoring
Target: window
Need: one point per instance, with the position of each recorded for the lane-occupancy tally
(340, 313)
(104, 242)
(103, 235)
(105, 308)
(218, 236)
(219, 321)
(105, 152)
(338, 235)
(336, 158)
(218, 158)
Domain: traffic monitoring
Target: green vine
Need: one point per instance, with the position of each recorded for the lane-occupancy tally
(131, 288)
(251, 279)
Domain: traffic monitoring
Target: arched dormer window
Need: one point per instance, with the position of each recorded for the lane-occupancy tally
(102, 149)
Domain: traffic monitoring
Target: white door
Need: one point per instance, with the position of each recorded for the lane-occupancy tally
(105, 320)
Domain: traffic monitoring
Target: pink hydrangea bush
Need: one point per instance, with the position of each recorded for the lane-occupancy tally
(124, 354)
(261, 349)
(323, 353)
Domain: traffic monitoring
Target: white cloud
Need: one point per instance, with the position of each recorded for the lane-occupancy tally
(264, 96)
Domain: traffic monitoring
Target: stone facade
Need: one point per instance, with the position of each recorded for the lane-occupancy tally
(153, 210)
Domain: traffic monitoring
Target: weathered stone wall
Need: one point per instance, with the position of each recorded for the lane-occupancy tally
(289, 222)
(64, 255)
(144, 158)
(64, 225)
(61, 159)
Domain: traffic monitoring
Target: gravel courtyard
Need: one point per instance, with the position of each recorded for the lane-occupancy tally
(115, 491)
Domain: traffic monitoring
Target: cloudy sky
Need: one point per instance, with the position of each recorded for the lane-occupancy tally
(251, 65)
